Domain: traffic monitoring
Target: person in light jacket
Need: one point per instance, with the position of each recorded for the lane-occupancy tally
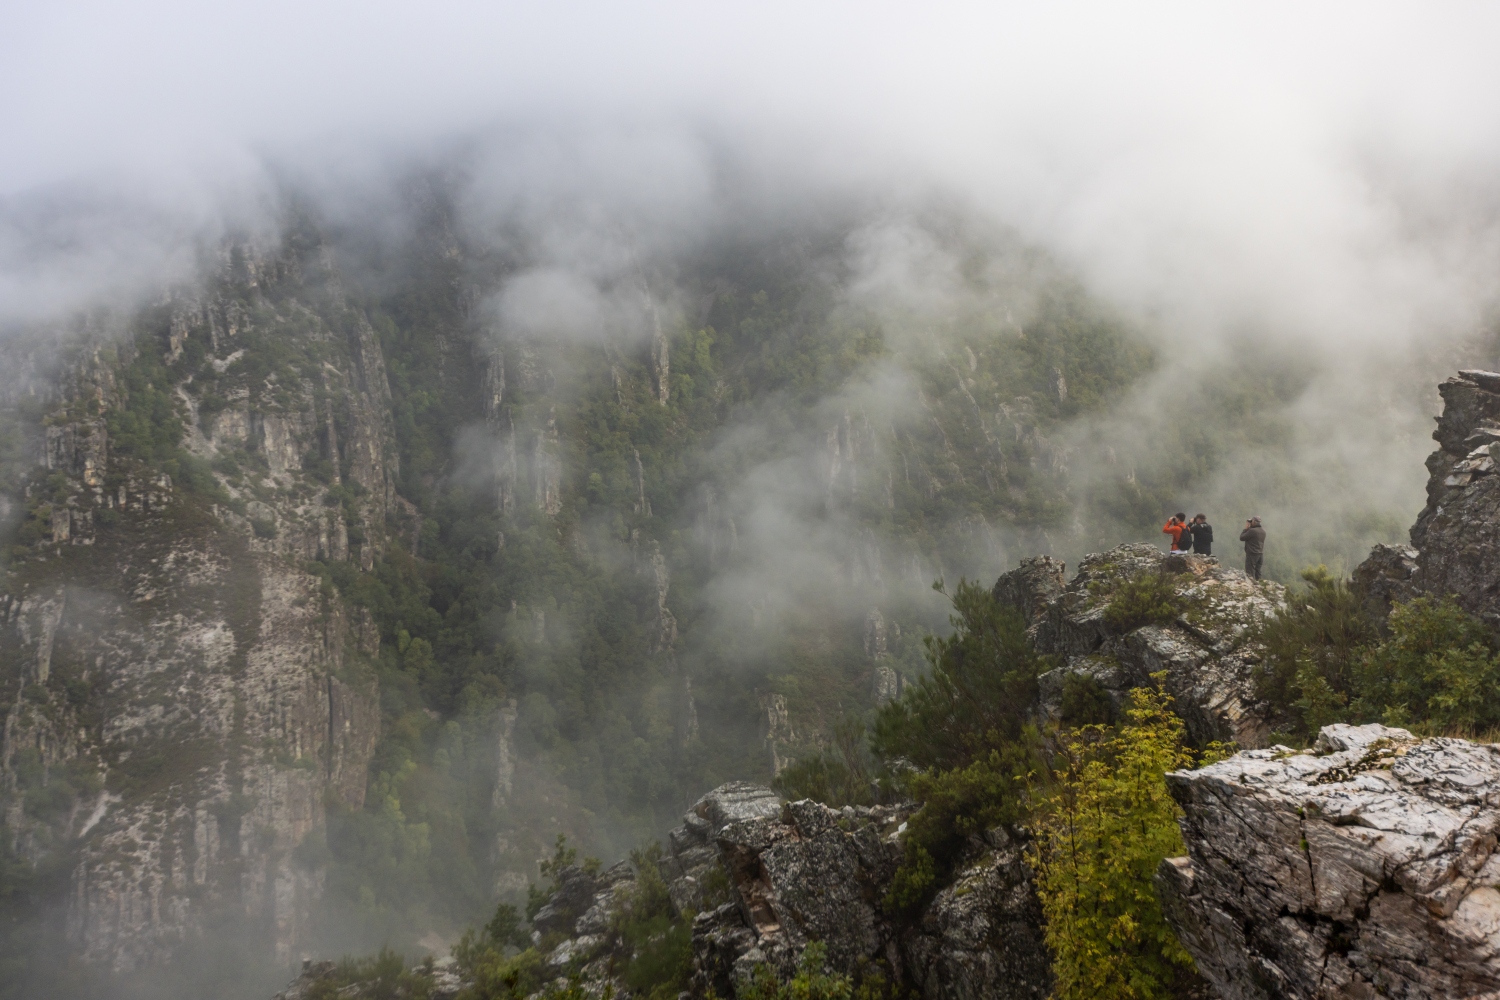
(1254, 537)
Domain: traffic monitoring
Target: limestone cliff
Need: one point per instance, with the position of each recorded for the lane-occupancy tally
(182, 702)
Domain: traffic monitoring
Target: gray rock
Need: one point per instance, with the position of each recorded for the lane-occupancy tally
(1036, 583)
(981, 936)
(1363, 868)
(573, 895)
(814, 873)
(1456, 539)
(692, 854)
(1208, 655)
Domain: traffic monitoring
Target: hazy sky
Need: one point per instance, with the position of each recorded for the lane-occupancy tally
(1322, 170)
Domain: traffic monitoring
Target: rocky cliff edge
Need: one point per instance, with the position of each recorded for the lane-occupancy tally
(1363, 867)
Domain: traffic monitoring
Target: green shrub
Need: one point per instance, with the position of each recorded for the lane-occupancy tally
(1085, 702)
(838, 776)
(1100, 835)
(1145, 599)
(382, 976)
(812, 981)
(976, 696)
(1437, 665)
(1312, 647)
(958, 804)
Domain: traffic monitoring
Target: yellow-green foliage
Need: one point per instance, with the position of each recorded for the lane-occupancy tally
(1100, 834)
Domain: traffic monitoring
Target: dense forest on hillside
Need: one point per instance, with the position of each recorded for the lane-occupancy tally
(691, 538)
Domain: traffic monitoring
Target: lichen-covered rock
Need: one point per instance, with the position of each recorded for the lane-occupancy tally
(1207, 651)
(1032, 586)
(813, 873)
(1364, 867)
(572, 896)
(692, 854)
(1386, 577)
(981, 937)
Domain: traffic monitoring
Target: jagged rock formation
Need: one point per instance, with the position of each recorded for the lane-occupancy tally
(801, 871)
(1364, 867)
(182, 702)
(1206, 650)
(1455, 542)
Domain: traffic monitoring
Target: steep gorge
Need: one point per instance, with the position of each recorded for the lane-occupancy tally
(329, 599)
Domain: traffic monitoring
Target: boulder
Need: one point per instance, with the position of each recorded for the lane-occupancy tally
(1363, 867)
(572, 896)
(981, 937)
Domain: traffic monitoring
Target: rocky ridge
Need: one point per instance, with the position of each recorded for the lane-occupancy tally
(1206, 649)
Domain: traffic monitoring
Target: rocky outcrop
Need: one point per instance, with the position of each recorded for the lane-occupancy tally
(1206, 649)
(1455, 542)
(1363, 867)
(800, 872)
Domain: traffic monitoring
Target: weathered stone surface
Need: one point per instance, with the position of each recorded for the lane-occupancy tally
(1455, 542)
(1031, 587)
(692, 854)
(981, 937)
(813, 873)
(209, 700)
(572, 896)
(1386, 576)
(1207, 653)
(1363, 868)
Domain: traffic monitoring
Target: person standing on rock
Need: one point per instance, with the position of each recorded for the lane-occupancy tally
(1254, 537)
(1203, 535)
(1177, 527)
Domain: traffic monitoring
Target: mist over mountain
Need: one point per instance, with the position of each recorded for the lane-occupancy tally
(429, 431)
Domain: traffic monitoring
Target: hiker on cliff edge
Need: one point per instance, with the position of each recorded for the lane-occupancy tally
(1254, 537)
(1203, 535)
(1177, 527)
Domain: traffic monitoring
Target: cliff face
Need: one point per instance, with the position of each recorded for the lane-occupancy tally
(1364, 867)
(1455, 542)
(182, 701)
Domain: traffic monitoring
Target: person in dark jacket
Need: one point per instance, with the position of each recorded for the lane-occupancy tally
(1254, 537)
(1203, 535)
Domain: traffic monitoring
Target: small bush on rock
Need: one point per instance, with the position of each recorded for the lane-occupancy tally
(1100, 834)
(812, 981)
(1147, 599)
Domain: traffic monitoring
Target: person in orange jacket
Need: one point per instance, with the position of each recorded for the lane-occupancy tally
(1176, 526)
